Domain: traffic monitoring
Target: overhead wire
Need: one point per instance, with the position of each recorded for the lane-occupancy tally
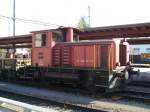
(33, 21)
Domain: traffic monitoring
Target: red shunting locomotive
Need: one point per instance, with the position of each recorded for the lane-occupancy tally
(58, 55)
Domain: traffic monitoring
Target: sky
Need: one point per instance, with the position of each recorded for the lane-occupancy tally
(68, 13)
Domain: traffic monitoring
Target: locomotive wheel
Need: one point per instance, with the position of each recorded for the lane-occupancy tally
(38, 76)
(87, 81)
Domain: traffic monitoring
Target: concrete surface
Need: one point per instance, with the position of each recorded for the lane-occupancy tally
(12, 105)
(74, 99)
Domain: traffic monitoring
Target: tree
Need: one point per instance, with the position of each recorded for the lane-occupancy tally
(82, 24)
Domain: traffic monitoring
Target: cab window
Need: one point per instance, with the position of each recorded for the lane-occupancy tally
(57, 36)
(40, 40)
(75, 37)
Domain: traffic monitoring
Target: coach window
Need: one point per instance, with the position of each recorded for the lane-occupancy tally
(40, 40)
(136, 51)
(148, 50)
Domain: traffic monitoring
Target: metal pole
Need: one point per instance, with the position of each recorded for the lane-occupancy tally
(14, 26)
(89, 15)
(14, 17)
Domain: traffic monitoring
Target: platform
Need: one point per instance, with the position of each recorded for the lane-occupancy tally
(7, 105)
(68, 98)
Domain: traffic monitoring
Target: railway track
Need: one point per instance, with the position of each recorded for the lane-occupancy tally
(34, 97)
(45, 103)
(140, 83)
(137, 90)
(68, 88)
(83, 103)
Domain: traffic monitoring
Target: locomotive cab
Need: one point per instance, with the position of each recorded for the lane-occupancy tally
(44, 41)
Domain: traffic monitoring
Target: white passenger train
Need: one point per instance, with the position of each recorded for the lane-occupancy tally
(140, 53)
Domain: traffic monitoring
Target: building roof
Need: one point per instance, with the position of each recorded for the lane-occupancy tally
(16, 36)
(118, 31)
(19, 39)
(125, 26)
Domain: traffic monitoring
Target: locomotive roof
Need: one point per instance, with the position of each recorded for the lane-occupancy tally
(110, 41)
(57, 29)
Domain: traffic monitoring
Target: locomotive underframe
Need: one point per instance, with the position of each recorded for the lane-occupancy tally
(86, 77)
(77, 76)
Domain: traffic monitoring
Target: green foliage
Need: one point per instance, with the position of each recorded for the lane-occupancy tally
(82, 24)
